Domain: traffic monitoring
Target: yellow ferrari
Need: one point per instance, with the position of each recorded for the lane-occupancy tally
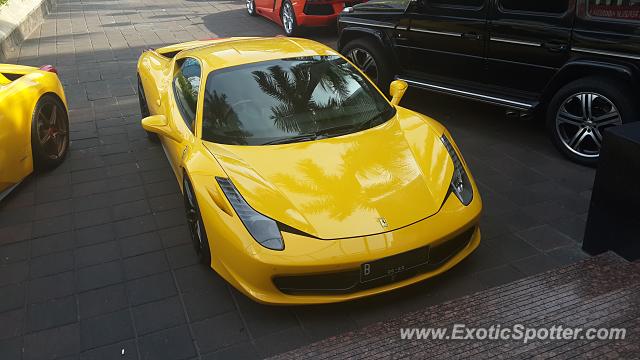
(302, 183)
(34, 125)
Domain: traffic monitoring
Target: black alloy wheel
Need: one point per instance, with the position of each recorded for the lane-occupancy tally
(196, 225)
(49, 132)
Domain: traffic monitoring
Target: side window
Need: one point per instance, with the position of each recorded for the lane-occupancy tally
(538, 6)
(458, 3)
(615, 9)
(186, 86)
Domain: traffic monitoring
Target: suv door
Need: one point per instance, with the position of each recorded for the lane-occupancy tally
(608, 28)
(529, 42)
(445, 41)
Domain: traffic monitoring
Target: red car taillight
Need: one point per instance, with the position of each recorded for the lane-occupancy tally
(49, 68)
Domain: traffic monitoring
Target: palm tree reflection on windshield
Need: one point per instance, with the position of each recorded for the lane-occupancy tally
(298, 110)
(222, 120)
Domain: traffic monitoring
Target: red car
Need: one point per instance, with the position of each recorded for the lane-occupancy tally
(291, 14)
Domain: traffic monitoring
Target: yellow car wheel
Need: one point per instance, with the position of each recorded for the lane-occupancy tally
(144, 109)
(196, 225)
(49, 132)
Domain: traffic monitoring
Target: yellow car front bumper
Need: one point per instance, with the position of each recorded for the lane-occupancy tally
(252, 269)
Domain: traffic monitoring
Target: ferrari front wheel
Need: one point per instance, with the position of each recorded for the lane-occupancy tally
(196, 225)
(49, 132)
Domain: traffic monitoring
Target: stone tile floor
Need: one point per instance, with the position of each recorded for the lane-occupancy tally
(95, 260)
(599, 292)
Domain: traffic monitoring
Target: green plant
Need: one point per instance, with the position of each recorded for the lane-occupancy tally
(2, 2)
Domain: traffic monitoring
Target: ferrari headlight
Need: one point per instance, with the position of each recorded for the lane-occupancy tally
(460, 184)
(263, 229)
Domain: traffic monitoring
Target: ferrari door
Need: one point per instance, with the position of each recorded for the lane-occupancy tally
(183, 109)
(265, 7)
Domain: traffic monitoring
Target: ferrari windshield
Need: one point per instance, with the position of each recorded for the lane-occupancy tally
(289, 100)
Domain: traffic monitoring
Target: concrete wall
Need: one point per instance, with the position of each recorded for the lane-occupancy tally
(18, 18)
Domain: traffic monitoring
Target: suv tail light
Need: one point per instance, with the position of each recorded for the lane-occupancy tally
(49, 68)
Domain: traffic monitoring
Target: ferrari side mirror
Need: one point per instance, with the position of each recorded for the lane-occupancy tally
(397, 90)
(158, 124)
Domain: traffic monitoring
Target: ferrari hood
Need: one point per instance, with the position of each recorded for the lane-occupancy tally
(359, 184)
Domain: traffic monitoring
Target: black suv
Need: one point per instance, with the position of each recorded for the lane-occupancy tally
(576, 62)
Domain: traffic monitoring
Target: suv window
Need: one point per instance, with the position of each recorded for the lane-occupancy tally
(186, 86)
(624, 9)
(539, 6)
(457, 3)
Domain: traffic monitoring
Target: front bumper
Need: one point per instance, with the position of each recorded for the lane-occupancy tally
(316, 14)
(252, 269)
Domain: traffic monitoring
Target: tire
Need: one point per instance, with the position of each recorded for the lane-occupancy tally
(577, 133)
(291, 26)
(199, 237)
(144, 109)
(379, 71)
(251, 7)
(49, 132)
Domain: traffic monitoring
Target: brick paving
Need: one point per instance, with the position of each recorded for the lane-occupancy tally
(95, 256)
(601, 292)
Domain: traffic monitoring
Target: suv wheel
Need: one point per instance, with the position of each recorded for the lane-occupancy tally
(580, 112)
(369, 57)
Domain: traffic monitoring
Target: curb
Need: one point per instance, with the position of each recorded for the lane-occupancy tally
(10, 41)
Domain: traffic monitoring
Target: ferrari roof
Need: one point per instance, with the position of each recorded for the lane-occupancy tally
(237, 51)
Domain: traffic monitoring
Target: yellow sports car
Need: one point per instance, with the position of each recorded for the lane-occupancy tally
(34, 126)
(302, 184)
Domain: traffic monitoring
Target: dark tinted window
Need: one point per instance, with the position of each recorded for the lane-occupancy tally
(288, 100)
(539, 6)
(186, 86)
(455, 3)
(621, 9)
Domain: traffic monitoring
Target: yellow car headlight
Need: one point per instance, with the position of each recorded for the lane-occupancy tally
(460, 183)
(263, 229)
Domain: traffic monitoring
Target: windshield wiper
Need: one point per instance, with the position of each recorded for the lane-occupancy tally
(350, 128)
(293, 139)
(367, 124)
(328, 132)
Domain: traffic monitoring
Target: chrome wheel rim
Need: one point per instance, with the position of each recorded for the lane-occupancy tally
(287, 18)
(52, 130)
(581, 120)
(365, 61)
(250, 6)
(193, 220)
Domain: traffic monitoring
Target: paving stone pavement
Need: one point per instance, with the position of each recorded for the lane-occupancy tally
(601, 292)
(95, 259)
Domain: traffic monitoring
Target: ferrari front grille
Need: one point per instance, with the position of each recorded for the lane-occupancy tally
(349, 281)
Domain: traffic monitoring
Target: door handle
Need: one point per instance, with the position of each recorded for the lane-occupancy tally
(555, 47)
(471, 36)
